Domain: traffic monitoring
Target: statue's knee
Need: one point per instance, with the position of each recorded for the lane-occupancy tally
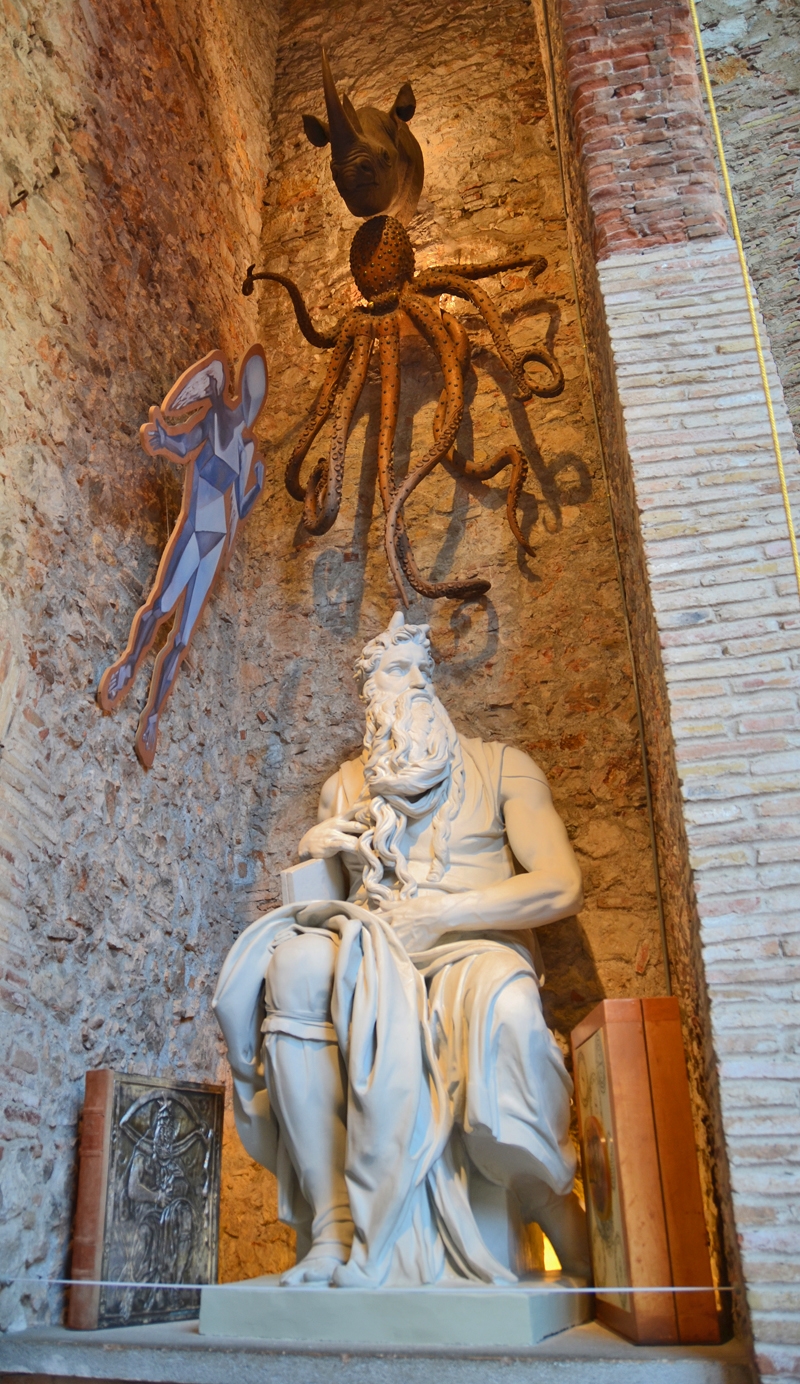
(519, 1008)
(300, 976)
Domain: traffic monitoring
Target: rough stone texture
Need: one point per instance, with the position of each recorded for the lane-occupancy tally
(637, 123)
(252, 1239)
(725, 601)
(139, 133)
(753, 52)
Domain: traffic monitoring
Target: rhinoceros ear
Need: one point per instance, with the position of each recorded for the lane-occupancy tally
(317, 131)
(406, 102)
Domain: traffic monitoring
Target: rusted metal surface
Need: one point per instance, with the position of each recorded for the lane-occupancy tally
(383, 267)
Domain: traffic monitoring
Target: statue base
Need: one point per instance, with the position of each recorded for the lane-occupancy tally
(518, 1314)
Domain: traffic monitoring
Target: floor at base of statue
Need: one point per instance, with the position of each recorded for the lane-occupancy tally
(254, 1332)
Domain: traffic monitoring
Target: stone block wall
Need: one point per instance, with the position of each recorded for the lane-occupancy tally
(134, 148)
(542, 661)
(753, 52)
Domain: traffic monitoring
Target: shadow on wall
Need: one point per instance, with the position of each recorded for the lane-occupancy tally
(340, 571)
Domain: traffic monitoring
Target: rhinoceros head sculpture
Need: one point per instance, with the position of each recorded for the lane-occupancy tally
(376, 162)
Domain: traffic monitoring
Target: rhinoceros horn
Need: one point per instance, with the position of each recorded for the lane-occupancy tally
(342, 119)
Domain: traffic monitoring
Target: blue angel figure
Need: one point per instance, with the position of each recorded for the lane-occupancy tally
(224, 478)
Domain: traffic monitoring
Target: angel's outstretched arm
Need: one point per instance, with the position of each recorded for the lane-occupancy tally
(156, 438)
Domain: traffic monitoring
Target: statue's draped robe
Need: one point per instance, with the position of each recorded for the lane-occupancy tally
(427, 1051)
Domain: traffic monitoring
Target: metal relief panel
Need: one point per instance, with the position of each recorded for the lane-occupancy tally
(609, 1253)
(162, 1207)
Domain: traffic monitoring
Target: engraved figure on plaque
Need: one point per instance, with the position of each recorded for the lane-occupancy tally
(148, 1199)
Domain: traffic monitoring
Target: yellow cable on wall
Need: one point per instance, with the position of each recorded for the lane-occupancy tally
(751, 305)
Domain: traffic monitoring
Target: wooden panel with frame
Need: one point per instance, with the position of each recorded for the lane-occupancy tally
(147, 1214)
(644, 1203)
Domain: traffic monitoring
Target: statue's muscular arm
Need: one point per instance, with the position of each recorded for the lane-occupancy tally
(549, 889)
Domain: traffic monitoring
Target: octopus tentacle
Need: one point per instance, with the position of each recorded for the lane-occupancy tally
(387, 334)
(536, 263)
(460, 338)
(325, 340)
(324, 491)
(507, 456)
(435, 281)
(548, 360)
(327, 395)
(430, 324)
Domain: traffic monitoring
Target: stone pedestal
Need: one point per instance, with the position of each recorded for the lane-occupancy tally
(520, 1314)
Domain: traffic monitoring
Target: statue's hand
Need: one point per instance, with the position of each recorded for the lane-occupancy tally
(319, 913)
(418, 922)
(333, 837)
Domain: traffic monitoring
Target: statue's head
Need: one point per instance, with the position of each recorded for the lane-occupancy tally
(376, 162)
(395, 661)
(164, 1129)
(413, 764)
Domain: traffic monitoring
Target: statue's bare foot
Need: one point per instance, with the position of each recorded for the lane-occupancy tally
(319, 1266)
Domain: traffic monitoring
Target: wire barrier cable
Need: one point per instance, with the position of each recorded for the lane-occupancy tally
(526, 1285)
(787, 505)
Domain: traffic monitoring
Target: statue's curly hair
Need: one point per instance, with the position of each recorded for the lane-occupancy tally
(398, 632)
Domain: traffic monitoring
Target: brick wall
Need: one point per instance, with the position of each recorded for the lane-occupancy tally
(713, 605)
(686, 970)
(644, 145)
(726, 606)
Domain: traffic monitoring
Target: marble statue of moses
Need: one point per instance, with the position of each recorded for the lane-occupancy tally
(385, 1045)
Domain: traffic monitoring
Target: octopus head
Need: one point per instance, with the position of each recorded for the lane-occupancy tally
(381, 257)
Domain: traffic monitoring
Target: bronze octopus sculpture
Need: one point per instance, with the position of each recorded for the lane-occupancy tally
(382, 264)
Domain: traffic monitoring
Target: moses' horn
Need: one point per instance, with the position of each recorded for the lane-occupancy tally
(343, 132)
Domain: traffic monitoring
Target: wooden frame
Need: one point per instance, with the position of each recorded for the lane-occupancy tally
(644, 1203)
